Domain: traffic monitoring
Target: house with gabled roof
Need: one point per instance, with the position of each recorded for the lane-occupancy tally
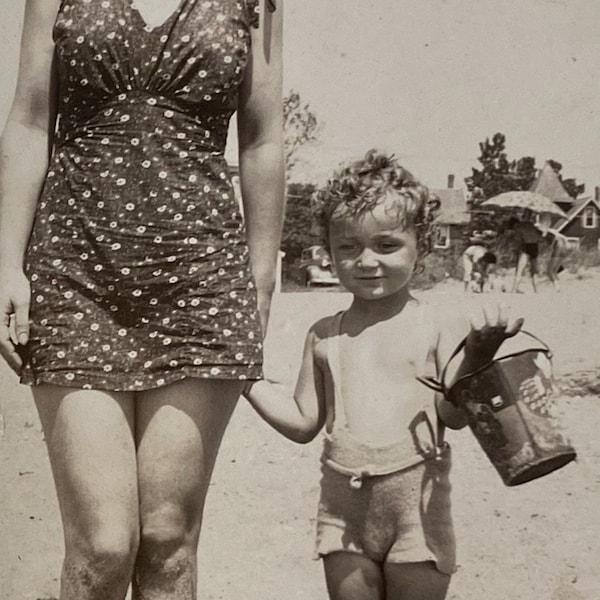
(547, 183)
(581, 226)
(453, 219)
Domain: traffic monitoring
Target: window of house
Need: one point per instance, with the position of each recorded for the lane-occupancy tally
(573, 243)
(442, 236)
(589, 217)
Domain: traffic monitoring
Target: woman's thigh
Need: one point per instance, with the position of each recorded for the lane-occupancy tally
(91, 446)
(179, 429)
(415, 581)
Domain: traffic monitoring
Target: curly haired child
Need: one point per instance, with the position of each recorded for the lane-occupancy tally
(384, 526)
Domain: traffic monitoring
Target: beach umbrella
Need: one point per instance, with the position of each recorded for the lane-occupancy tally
(526, 200)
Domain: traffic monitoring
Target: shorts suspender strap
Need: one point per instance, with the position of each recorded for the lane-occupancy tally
(333, 359)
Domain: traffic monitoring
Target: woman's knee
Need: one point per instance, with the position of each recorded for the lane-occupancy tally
(168, 529)
(109, 547)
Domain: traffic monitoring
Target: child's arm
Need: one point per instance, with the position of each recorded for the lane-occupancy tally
(486, 333)
(301, 416)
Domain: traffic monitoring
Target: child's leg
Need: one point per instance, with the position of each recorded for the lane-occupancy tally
(351, 576)
(415, 581)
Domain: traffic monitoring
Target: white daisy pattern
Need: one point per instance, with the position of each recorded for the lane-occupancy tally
(138, 258)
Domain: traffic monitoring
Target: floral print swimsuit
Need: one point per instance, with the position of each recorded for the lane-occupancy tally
(138, 260)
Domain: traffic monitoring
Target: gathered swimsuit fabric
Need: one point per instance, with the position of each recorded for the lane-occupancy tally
(390, 503)
(138, 259)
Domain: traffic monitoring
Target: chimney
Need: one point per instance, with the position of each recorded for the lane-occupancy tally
(597, 193)
(450, 181)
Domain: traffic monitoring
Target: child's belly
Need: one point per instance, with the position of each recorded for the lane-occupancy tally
(385, 416)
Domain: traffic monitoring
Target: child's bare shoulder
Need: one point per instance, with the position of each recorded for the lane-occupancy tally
(318, 334)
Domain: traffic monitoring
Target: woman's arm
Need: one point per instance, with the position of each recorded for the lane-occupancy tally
(24, 151)
(260, 134)
(25, 142)
(301, 416)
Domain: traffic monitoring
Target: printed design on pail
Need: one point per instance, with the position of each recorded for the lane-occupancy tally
(511, 409)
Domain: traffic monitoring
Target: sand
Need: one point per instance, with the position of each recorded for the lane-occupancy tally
(538, 541)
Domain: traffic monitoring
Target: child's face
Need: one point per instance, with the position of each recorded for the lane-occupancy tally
(374, 253)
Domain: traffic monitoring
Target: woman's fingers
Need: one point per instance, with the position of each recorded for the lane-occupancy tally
(17, 324)
(12, 329)
(22, 322)
(8, 350)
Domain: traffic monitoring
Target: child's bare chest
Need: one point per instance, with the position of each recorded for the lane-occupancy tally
(379, 359)
(377, 380)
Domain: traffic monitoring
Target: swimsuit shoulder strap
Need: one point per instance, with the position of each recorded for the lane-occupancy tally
(429, 368)
(426, 350)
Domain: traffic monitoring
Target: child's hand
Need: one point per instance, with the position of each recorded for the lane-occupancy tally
(489, 328)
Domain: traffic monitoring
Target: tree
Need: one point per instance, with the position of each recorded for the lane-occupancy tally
(498, 174)
(571, 186)
(299, 231)
(300, 127)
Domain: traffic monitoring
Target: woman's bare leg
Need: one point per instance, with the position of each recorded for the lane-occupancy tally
(352, 576)
(519, 269)
(415, 581)
(533, 270)
(90, 441)
(179, 431)
(552, 271)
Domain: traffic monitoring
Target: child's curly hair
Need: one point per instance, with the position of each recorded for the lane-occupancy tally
(356, 189)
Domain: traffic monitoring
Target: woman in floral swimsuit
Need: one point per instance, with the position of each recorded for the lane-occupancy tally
(134, 297)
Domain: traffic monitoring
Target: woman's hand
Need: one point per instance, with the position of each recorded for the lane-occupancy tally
(488, 329)
(14, 318)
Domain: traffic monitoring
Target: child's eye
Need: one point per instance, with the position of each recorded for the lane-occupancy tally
(388, 246)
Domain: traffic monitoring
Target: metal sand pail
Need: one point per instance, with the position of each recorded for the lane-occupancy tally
(511, 410)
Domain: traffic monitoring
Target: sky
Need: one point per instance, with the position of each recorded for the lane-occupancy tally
(428, 80)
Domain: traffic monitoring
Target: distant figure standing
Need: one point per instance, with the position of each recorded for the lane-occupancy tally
(559, 249)
(528, 238)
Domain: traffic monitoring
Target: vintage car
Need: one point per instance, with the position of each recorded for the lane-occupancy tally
(319, 270)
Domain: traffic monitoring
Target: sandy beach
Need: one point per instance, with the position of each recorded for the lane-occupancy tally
(534, 542)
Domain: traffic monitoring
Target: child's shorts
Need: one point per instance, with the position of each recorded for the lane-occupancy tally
(402, 517)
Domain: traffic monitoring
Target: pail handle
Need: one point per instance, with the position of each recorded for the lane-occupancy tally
(440, 385)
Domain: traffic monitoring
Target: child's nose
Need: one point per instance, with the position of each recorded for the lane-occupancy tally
(367, 259)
